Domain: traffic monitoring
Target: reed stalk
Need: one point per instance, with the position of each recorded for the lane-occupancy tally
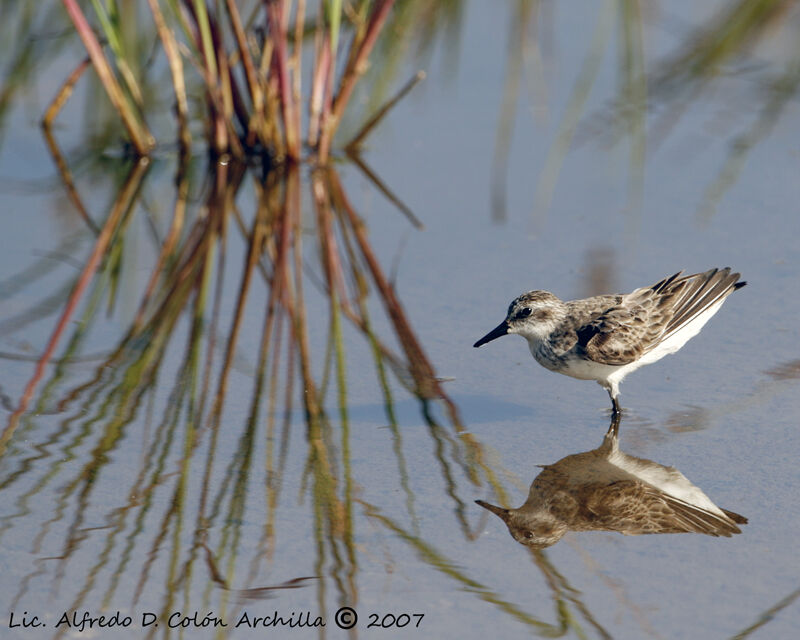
(263, 115)
(141, 138)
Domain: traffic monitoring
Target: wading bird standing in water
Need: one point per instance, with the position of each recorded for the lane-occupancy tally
(604, 338)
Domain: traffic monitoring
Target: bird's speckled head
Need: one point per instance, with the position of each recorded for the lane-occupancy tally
(532, 315)
(536, 529)
(534, 306)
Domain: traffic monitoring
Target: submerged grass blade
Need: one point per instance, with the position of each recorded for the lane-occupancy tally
(63, 169)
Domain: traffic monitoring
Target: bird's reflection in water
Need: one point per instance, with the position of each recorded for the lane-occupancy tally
(609, 490)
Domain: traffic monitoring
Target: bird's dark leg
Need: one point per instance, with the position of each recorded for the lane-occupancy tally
(616, 410)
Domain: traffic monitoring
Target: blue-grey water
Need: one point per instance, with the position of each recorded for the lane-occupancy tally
(594, 194)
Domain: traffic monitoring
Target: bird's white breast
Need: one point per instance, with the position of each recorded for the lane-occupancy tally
(571, 365)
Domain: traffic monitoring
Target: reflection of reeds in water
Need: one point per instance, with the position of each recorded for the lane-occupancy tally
(565, 596)
(723, 47)
(181, 513)
(714, 51)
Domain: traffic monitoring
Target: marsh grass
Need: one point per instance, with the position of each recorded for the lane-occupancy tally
(260, 93)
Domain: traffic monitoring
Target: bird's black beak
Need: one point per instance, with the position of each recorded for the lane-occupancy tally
(498, 331)
(503, 514)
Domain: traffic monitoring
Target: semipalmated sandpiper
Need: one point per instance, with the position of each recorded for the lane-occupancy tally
(604, 338)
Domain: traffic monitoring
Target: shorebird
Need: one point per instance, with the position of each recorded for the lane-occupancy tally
(604, 338)
(608, 490)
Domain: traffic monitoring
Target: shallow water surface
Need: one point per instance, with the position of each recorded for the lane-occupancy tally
(206, 447)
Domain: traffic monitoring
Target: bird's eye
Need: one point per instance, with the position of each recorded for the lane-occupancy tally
(523, 313)
(528, 534)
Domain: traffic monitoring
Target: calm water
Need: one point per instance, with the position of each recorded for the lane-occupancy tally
(174, 474)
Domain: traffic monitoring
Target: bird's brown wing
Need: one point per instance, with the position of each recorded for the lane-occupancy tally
(581, 313)
(622, 334)
(636, 508)
(643, 318)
